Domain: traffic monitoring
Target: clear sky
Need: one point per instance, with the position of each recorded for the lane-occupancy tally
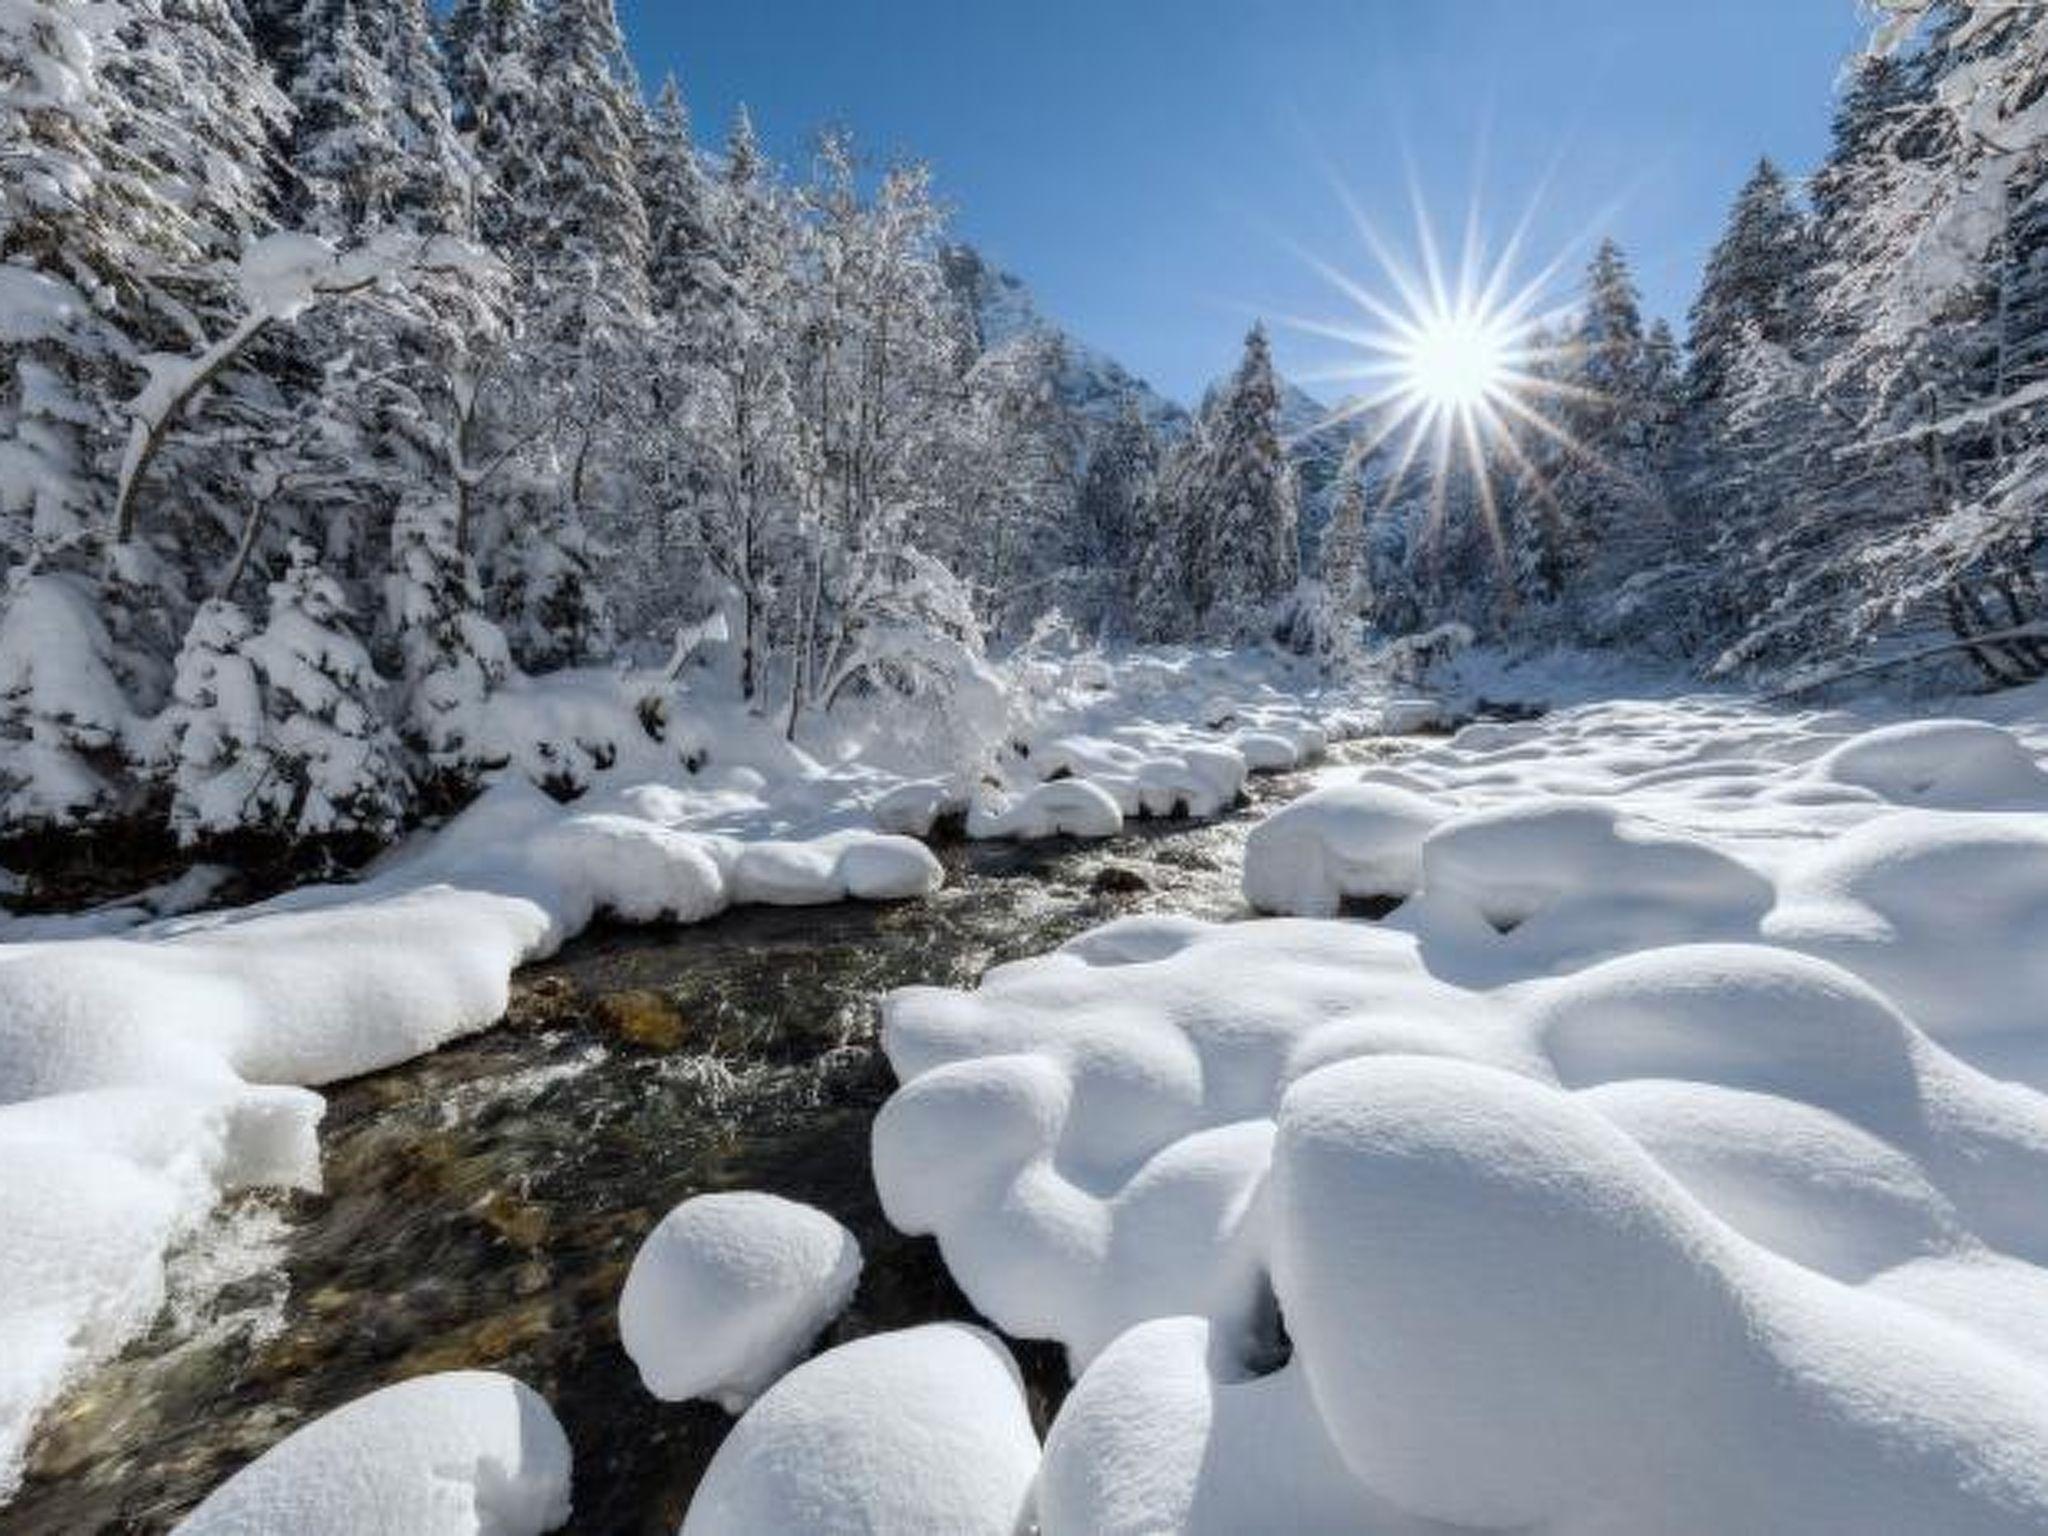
(1151, 167)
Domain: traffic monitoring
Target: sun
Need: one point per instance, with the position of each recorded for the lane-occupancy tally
(1452, 371)
(1457, 361)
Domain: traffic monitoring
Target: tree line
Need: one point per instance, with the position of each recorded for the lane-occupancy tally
(363, 362)
(1850, 457)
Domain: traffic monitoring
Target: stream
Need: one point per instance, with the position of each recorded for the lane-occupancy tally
(483, 1203)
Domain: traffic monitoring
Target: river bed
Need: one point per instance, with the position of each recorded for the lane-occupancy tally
(482, 1204)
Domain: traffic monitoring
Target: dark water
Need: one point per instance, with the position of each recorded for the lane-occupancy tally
(482, 1204)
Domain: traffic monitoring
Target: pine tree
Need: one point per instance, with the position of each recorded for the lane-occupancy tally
(453, 657)
(1115, 509)
(1757, 278)
(65, 719)
(490, 49)
(225, 769)
(1608, 487)
(373, 141)
(1247, 558)
(682, 263)
(592, 259)
(1343, 570)
(325, 732)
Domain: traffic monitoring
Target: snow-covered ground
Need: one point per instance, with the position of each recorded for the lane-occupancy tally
(1667, 1159)
(1670, 1160)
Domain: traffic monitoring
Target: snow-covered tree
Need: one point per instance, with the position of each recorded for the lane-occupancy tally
(452, 656)
(1756, 281)
(1246, 558)
(1115, 511)
(489, 47)
(1343, 584)
(879, 391)
(373, 140)
(1026, 550)
(218, 738)
(1169, 542)
(325, 736)
(581, 137)
(65, 720)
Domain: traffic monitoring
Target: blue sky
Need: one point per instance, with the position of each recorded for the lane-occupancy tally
(1151, 166)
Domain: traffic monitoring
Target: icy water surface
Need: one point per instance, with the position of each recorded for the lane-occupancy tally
(482, 1204)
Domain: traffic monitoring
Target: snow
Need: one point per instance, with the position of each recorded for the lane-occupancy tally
(1341, 842)
(1063, 808)
(1668, 1161)
(729, 1290)
(225, 1017)
(203, 1022)
(896, 1434)
(462, 1453)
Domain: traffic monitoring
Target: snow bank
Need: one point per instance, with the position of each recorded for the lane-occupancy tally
(1641, 1368)
(1163, 732)
(898, 1434)
(198, 1024)
(729, 1290)
(464, 1453)
(1644, 1171)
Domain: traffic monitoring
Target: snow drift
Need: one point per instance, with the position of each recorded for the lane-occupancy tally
(1656, 1166)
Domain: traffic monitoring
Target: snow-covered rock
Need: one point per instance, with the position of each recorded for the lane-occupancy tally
(1957, 765)
(913, 809)
(897, 1434)
(464, 1453)
(1343, 841)
(1062, 808)
(729, 1290)
(1511, 1317)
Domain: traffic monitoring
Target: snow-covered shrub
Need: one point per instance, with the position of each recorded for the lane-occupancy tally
(280, 730)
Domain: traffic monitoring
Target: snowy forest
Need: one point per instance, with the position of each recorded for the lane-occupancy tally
(669, 865)
(363, 359)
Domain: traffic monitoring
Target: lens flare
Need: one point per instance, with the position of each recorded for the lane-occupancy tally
(1454, 374)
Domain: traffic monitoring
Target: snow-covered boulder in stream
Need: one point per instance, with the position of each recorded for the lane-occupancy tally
(464, 1453)
(897, 1434)
(729, 1290)
(1345, 841)
(1062, 808)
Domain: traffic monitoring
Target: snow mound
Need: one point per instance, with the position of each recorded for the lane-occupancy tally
(729, 1290)
(1062, 808)
(1155, 779)
(1562, 883)
(1947, 915)
(914, 809)
(1959, 765)
(1345, 841)
(1552, 1293)
(1643, 1171)
(1145, 1437)
(898, 1434)
(463, 1453)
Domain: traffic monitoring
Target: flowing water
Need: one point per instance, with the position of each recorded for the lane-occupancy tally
(482, 1204)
